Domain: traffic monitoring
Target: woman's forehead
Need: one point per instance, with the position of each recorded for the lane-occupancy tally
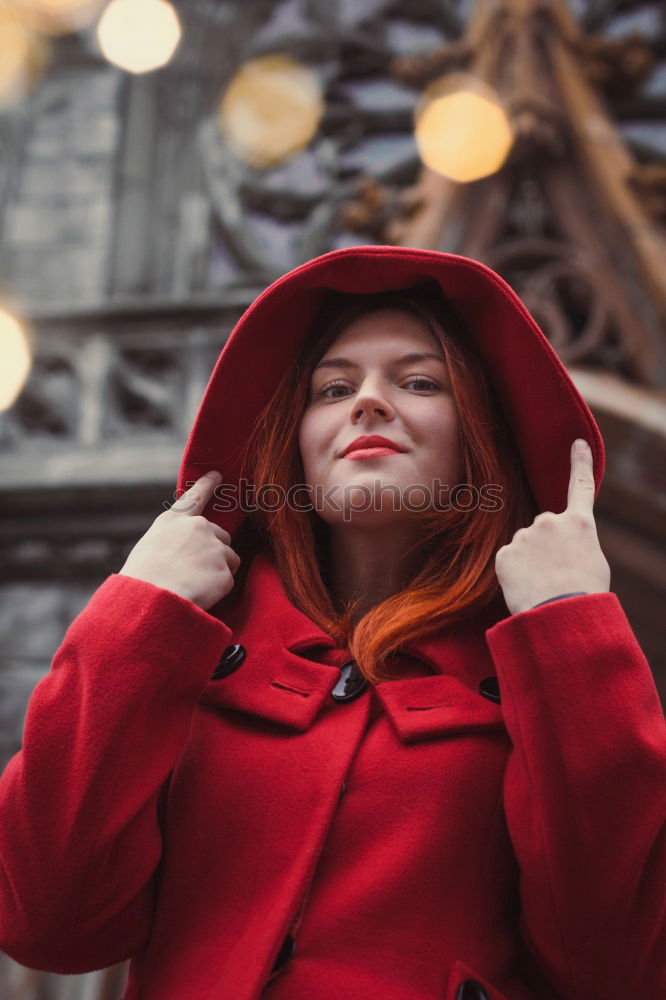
(383, 327)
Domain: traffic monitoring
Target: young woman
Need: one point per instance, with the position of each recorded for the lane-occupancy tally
(359, 716)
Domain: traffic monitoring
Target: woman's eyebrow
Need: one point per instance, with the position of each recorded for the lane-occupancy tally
(404, 360)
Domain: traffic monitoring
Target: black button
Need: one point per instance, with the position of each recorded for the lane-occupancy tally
(489, 688)
(343, 787)
(351, 684)
(230, 660)
(284, 954)
(471, 990)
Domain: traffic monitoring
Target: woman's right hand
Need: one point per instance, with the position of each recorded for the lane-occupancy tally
(184, 552)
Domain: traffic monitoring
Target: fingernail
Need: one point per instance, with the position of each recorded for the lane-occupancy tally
(581, 446)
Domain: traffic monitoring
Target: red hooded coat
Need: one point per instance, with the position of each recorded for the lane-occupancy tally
(239, 832)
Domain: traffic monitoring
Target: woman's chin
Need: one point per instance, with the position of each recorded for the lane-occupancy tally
(368, 502)
(366, 518)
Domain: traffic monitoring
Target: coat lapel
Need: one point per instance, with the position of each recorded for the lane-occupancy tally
(291, 667)
(290, 664)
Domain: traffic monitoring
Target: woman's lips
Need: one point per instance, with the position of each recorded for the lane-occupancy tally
(358, 453)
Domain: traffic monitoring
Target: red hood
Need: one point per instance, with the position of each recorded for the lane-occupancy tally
(544, 409)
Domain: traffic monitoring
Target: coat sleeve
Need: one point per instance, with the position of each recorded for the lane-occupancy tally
(585, 796)
(80, 838)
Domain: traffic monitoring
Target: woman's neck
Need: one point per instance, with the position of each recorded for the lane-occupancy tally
(371, 565)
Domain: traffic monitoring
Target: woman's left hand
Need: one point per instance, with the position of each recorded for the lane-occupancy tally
(558, 553)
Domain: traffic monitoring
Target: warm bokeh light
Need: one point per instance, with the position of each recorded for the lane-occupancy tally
(23, 55)
(462, 130)
(139, 35)
(270, 110)
(15, 359)
(58, 17)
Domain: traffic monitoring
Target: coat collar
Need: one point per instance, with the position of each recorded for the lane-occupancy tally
(292, 665)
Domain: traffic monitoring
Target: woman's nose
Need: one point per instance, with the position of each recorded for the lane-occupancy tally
(370, 400)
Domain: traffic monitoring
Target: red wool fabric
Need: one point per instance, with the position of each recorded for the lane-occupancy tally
(191, 824)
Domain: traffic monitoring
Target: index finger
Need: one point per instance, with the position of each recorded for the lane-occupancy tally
(581, 481)
(195, 499)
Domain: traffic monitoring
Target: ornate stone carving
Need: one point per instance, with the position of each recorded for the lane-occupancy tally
(648, 181)
(419, 70)
(618, 66)
(48, 407)
(145, 385)
(588, 194)
(380, 210)
(565, 297)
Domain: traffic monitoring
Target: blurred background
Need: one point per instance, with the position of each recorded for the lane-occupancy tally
(161, 163)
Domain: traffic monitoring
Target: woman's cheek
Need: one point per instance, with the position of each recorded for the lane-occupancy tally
(304, 444)
(312, 449)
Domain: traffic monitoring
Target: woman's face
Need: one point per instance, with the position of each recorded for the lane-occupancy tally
(384, 375)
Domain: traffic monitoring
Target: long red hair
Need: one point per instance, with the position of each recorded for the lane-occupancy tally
(457, 575)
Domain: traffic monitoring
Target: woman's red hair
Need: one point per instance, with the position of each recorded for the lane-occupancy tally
(457, 574)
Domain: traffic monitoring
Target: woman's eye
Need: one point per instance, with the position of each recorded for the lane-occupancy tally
(328, 392)
(428, 383)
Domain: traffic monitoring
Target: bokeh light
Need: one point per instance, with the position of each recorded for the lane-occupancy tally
(139, 35)
(16, 359)
(462, 130)
(271, 110)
